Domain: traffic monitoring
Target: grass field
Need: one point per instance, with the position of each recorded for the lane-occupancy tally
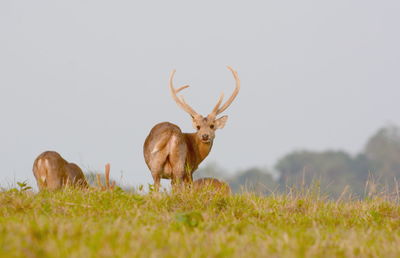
(94, 223)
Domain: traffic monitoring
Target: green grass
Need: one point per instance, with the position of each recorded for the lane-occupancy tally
(76, 223)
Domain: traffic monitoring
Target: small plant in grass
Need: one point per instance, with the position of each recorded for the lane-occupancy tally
(22, 187)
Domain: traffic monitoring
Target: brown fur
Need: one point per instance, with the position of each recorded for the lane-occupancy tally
(52, 172)
(212, 184)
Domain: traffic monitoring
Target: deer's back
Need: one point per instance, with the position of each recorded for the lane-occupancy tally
(75, 175)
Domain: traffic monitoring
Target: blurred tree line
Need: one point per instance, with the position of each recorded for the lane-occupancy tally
(333, 170)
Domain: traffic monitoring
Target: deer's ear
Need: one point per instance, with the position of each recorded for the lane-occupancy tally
(220, 122)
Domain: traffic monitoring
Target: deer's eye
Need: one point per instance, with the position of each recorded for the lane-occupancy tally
(198, 127)
(212, 126)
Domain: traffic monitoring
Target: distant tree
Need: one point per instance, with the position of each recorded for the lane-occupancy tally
(383, 150)
(253, 180)
(332, 169)
(361, 168)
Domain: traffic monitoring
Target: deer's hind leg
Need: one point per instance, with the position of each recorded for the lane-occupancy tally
(177, 160)
(157, 167)
(157, 181)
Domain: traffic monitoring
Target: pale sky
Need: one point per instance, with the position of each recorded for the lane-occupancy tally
(89, 79)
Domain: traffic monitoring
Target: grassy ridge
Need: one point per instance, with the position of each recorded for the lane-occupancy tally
(98, 224)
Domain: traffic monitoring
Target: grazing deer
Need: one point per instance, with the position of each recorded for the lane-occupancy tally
(52, 172)
(171, 154)
(212, 184)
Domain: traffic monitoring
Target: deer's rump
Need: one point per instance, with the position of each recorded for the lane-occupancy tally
(164, 141)
(52, 172)
(49, 170)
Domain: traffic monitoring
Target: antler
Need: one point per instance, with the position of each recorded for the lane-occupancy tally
(107, 174)
(180, 100)
(217, 110)
(107, 185)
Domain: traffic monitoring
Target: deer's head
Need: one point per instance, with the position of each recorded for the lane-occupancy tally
(205, 125)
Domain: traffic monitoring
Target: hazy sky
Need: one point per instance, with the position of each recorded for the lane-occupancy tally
(89, 79)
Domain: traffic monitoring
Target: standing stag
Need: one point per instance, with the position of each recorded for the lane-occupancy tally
(171, 154)
(52, 172)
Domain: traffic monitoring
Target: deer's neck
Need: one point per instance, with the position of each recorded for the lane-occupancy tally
(197, 150)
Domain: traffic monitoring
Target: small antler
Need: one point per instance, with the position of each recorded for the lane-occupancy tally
(180, 100)
(217, 110)
(99, 183)
(107, 185)
(107, 174)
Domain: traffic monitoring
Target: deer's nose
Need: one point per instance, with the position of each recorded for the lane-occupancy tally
(204, 137)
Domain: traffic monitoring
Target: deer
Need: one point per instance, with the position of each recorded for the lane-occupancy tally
(171, 154)
(53, 172)
(212, 184)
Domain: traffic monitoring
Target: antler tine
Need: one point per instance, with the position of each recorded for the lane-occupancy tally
(181, 88)
(99, 183)
(215, 109)
(107, 175)
(178, 100)
(234, 94)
